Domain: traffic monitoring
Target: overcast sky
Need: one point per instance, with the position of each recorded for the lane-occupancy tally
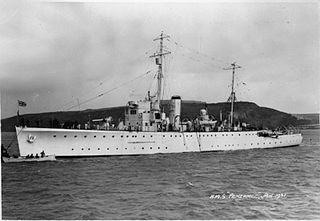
(56, 55)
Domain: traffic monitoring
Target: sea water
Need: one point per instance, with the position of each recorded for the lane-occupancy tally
(281, 183)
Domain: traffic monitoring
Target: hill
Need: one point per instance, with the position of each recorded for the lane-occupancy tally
(256, 116)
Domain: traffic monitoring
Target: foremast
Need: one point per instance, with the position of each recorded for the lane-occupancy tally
(159, 61)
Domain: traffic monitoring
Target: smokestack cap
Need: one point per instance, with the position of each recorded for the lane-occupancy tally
(176, 97)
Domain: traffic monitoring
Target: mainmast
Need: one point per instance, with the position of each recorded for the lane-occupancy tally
(159, 60)
(232, 97)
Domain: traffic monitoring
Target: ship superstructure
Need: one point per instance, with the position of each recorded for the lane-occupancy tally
(147, 130)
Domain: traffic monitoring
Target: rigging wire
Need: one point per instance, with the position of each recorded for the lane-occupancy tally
(108, 91)
(101, 83)
(199, 53)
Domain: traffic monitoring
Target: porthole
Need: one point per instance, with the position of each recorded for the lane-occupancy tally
(207, 135)
(126, 148)
(72, 149)
(150, 135)
(104, 136)
(127, 136)
(222, 134)
(251, 144)
(132, 136)
(164, 135)
(159, 148)
(190, 135)
(170, 135)
(231, 134)
(239, 134)
(65, 136)
(112, 136)
(75, 136)
(166, 147)
(82, 149)
(107, 148)
(175, 135)
(180, 135)
(143, 136)
(117, 148)
(98, 148)
(226, 135)
(150, 148)
(88, 148)
(54, 135)
(85, 136)
(94, 136)
(142, 148)
(121, 136)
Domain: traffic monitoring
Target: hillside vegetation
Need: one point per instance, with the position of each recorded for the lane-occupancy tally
(251, 113)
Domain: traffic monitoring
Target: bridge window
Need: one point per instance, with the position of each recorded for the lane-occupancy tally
(133, 112)
(157, 116)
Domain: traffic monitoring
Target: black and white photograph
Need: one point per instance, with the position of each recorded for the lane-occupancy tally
(160, 110)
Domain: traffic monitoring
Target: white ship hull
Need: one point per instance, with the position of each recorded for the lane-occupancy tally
(72, 142)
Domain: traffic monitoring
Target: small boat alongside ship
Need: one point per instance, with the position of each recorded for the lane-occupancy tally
(25, 159)
(147, 130)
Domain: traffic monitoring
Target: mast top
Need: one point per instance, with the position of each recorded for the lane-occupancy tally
(232, 97)
(159, 60)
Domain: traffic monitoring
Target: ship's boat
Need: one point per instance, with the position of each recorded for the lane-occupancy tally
(147, 130)
(24, 159)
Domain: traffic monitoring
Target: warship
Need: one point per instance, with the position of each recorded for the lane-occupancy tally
(147, 130)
